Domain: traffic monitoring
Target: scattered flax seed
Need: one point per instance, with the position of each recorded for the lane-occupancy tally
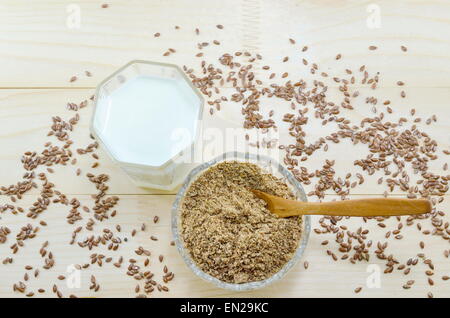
(73, 79)
(157, 35)
(338, 57)
(404, 48)
(219, 26)
(306, 265)
(105, 5)
(395, 152)
(387, 145)
(292, 41)
(358, 289)
(373, 47)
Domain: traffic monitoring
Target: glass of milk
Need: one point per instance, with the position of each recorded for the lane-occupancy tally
(147, 117)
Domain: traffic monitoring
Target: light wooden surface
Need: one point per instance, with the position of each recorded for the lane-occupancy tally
(39, 54)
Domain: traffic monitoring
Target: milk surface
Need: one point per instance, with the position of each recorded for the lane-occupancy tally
(147, 120)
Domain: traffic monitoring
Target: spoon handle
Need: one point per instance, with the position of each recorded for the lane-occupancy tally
(359, 207)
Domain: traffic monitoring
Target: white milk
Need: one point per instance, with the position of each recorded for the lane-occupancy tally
(138, 120)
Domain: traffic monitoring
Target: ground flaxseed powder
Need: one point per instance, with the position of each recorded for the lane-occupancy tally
(229, 232)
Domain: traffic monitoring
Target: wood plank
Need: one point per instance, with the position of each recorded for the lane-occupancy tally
(39, 48)
(25, 118)
(323, 278)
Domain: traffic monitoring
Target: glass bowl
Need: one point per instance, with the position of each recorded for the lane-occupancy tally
(267, 164)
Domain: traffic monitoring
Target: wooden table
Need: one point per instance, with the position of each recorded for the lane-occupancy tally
(42, 47)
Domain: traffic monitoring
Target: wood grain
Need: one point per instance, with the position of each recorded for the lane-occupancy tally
(40, 50)
(40, 53)
(25, 118)
(323, 278)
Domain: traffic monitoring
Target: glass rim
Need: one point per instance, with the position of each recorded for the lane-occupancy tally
(299, 193)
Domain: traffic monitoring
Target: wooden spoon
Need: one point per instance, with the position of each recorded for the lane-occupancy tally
(361, 207)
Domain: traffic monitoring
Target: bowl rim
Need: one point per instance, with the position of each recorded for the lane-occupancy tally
(192, 176)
